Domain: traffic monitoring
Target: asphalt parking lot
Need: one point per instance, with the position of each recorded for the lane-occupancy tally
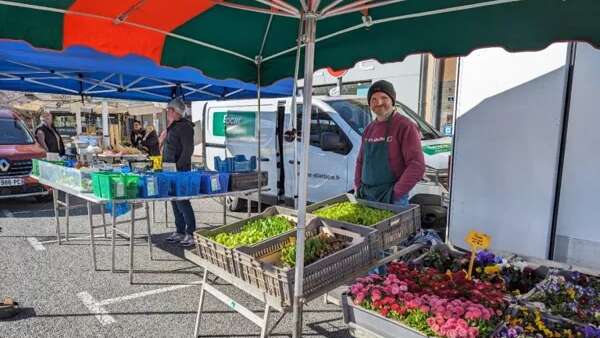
(62, 296)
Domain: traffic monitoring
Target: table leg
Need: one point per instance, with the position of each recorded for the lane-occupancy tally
(249, 205)
(56, 214)
(103, 212)
(67, 208)
(131, 242)
(153, 212)
(200, 304)
(149, 229)
(92, 240)
(265, 323)
(166, 215)
(113, 237)
(224, 210)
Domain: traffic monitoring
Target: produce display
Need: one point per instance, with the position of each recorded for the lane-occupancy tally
(572, 295)
(315, 248)
(522, 322)
(432, 295)
(122, 150)
(353, 213)
(518, 276)
(435, 303)
(255, 231)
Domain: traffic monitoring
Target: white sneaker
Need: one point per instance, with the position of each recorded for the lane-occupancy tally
(175, 237)
(188, 240)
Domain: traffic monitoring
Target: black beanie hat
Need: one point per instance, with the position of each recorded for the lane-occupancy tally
(384, 87)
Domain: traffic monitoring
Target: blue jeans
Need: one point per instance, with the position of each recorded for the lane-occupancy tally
(185, 221)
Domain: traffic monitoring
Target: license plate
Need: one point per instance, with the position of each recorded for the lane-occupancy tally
(10, 182)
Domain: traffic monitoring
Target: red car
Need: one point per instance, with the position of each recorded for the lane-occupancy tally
(17, 148)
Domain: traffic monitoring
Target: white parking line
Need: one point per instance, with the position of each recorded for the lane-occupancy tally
(146, 293)
(7, 213)
(35, 244)
(101, 314)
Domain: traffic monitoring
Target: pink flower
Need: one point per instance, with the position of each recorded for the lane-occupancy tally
(473, 332)
(359, 298)
(473, 314)
(376, 294)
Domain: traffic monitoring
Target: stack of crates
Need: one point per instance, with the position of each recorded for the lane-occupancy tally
(236, 164)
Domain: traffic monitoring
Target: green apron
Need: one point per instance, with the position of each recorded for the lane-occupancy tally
(377, 179)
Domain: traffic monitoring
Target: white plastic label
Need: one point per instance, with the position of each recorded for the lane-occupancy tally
(151, 186)
(214, 183)
(119, 189)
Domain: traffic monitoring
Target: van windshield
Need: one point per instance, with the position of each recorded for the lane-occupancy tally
(357, 114)
(14, 132)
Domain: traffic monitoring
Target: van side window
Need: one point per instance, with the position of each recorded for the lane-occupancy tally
(321, 122)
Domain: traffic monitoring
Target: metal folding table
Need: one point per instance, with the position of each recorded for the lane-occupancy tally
(91, 200)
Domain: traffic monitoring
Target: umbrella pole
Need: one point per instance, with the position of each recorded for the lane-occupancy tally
(258, 157)
(295, 111)
(309, 58)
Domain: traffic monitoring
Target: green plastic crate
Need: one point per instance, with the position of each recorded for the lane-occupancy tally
(115, 186)
(35, 167)
(131, 186)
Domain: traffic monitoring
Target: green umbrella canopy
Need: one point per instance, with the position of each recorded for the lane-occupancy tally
(223, 38)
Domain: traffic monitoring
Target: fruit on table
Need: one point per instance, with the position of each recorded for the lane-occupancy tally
(315, 248)
(255, 231)
(354, 213)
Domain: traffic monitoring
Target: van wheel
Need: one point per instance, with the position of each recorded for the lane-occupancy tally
(236, 204)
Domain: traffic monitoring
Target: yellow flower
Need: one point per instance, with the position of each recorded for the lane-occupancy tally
(571, 293)
(490, 270)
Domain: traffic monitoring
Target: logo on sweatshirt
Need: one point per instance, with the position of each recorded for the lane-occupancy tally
(379, 139)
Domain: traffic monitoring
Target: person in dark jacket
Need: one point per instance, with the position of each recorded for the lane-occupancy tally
(48, 137)
(137, 134)
(150, 142)
(178, 146)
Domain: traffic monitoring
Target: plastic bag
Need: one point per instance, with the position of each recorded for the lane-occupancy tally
(120, 208)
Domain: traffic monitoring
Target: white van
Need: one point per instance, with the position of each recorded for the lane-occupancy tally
(229, 128)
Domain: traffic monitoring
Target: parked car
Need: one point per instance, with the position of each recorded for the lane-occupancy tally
(17, 148)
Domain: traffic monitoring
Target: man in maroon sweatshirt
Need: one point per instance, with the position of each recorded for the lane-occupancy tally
(390, 162)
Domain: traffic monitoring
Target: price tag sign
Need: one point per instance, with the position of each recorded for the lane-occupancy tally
(477, 241)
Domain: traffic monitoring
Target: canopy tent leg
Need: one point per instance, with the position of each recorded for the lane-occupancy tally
(258, 155)
(294, 115)
(309, 55)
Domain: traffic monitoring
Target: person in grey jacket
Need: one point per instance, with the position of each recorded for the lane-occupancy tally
(178, 146)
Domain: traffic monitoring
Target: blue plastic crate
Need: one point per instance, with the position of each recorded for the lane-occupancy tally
(223, 166)
(164, 184)
(195, 178)
(183, 183)
(148, 186)
(213, 182)
(237, 164)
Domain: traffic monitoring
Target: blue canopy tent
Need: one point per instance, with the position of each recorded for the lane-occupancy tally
(84, 71)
